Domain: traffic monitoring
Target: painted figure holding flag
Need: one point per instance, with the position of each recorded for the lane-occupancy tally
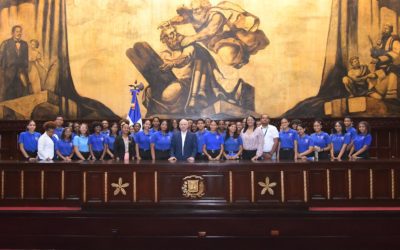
(134, 114)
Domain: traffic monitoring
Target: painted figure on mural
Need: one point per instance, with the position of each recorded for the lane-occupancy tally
(226, 29)
(14, 65)
(37, 69)
(386, 59)
(357, 80)
(195, 68)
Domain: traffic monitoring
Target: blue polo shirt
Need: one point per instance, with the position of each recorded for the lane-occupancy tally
(338, 140)
(65, 147)
(82, 142)
(58, 132)
(161, 141)
(362, 139)
(30, 140)
(352, 131)
(110, 139)
(97, 141)
(304, 143)
(287, 138)
(321, 139)
(152, 130)
(200, 140)
(143, 140)
(105, 132)
(213, 140)
(232, 145)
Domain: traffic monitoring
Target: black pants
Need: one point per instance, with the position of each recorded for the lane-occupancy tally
(323, 155)
(201, 157)
(84, 154)
(145, 154)
(286, 154)
(162, 154)
(364, 155)
(248, 154)
(98, 154)
(214, 153)
(344, 156)
(31, 154)
(107, 156)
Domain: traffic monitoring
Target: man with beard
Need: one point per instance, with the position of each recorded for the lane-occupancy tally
(14, 65)
(194, 67)
(387, 65)
(226, 29)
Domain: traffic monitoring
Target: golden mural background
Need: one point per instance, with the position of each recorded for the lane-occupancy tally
(286, 72)
(81, 55)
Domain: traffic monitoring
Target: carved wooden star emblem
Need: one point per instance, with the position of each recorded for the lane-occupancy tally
(267, 186)
(120, 187)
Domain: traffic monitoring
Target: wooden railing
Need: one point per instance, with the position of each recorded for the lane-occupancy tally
(261, 184)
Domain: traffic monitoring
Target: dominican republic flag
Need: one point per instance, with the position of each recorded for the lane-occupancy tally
(134, 115)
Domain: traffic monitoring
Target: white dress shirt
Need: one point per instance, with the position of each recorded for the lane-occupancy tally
(270, 133)
(183, 135)
(45, 147)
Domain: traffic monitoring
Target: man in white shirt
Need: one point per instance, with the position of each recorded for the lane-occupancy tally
(271, 138)
(46, 143)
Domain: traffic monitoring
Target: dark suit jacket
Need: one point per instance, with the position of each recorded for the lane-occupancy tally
(190, 147)
(10, 59)
(119, 147)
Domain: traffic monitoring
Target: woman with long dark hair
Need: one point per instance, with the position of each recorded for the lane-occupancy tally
(64, 146)
(28, 141)
(322, 141)
(253, 140)
(362, 142)
(110, 139)
(339, 141)
(142, 140)
(124, 145)
(213, 147)
(160, 142)
(233, 144)
(305, 145)
(81, 144)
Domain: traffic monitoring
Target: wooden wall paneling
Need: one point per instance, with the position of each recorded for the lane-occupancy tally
(268, 187)
(318, 184)
(94, 186)
(241, 186)
(12, 185)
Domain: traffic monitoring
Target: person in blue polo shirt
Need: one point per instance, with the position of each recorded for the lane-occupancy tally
(64, 147)
(201, 126)
(160, 142)
(28, 141)
(322, 141)
(80, 142)
(305, 145)
(339, 141)
(362, 142)
(142, 140)
(105, 128)
(97, 142)
(213, 146)
(155, 125)
(233, 144)
(287, 141)
(59, 128)
(110, 139)
(348, 123)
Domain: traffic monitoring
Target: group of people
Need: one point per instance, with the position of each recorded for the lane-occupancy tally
(204, 140)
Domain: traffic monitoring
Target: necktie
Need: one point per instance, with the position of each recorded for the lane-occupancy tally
(17, 46)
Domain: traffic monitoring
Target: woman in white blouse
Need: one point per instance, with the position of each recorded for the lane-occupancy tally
(46, 143)
(253, 140)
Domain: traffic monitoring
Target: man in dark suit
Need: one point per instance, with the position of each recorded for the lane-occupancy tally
(183, 144)
(14, 64)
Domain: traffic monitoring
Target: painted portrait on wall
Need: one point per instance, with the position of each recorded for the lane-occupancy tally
(199, 58)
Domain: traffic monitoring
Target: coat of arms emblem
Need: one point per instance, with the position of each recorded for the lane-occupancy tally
(193, 187)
